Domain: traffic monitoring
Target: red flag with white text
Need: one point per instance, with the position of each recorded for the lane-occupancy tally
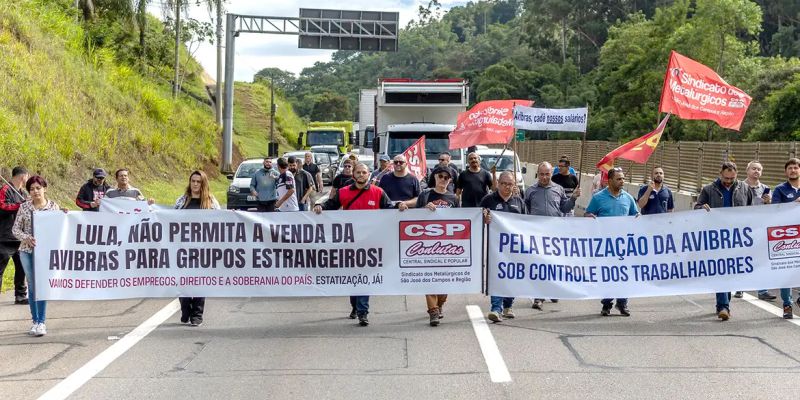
(415, 159)
(694, 91)
(637, 150)
(488, 122)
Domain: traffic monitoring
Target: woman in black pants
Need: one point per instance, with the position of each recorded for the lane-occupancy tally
(198, 196)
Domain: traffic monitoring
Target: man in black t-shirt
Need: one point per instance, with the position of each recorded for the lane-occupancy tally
(502, 200)
(400, 185)
(433, 198)
(564, 179)
(474, 183)
(312, 168)
(343, 179)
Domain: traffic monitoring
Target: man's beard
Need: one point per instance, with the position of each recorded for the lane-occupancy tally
(658, 179)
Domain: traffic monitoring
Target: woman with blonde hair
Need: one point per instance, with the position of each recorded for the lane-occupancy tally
(197, 196)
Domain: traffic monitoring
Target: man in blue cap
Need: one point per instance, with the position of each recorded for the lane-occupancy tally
(383, 168)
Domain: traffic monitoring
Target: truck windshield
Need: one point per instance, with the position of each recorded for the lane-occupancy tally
(315, 138)
(504, 163)
(369, 134)
(435, 144)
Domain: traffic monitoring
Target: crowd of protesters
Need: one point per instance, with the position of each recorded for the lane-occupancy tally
(291, 186)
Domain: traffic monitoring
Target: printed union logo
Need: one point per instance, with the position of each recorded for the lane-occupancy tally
(784, 241)
(434, 244)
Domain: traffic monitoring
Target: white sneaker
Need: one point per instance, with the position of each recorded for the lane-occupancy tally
(41, 330)
(32, 331)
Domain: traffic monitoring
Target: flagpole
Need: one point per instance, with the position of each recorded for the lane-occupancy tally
(583, 148)
(514, 157)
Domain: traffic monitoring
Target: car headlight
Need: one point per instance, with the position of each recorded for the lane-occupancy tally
(325, 170)
(233, 189)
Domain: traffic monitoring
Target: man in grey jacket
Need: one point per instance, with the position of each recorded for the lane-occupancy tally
(547, 198)
(264, 186)
(726, 191)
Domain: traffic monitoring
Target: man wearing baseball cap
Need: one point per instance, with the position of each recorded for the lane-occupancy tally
(92, 191)
(383, 169)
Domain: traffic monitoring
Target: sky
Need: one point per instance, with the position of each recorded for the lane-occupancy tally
(256, 51)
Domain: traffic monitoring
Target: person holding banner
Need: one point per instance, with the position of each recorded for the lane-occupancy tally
(11, 196)
(788, 192)
(613, 201)
(197, 196)
(360, 195)
(502, 200)
(549, 199)
(124, 190)
(438, 196)
(264, 187)
(36, 186)
(760, 196)
(726, 191)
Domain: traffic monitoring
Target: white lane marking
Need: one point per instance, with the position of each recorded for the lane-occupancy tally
(74, 381)
(775, 310)
(494, 360)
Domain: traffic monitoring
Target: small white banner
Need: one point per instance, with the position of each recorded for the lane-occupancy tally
(551, 119)
(690, 252)
(216, 253)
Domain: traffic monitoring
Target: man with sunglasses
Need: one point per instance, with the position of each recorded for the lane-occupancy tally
(613, 201)
(93, 191)
(432, 198)
(474, 183)
(343, 179)
(444, 162)
(400, 185)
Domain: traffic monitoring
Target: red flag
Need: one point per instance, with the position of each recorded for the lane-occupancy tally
(488, 122)
(637, 150)
(693, 91)
(415, 159)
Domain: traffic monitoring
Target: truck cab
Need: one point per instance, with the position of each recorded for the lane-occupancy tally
(409, 109)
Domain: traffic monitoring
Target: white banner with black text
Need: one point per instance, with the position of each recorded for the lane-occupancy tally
(743, 248)
(215, 253)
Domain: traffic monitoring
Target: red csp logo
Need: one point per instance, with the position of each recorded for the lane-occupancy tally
(784, 232)
(435, 244)
(434, 230)
(784, 241)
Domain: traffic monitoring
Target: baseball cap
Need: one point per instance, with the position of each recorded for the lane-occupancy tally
(438, 170)
(384, 157)
(99, 173)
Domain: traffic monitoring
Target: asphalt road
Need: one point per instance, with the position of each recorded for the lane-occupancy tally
(307, 348)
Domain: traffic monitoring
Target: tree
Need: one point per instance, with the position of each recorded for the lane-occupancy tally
(331, 107)
(284, 80)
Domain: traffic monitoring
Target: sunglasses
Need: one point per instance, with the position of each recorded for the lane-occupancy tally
(443, 176)
(442, 159)
(348, 166)
(398, 162)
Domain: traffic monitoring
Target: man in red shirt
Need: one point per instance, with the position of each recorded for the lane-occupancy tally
(360, 195)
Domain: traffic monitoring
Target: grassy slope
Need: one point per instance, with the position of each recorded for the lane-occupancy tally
(251, 120)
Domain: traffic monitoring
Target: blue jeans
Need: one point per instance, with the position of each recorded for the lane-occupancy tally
(786, 296)
(37, 307)
(361, 304)
(723, 301)
(608, 303)
(303, 207)
(499, 303)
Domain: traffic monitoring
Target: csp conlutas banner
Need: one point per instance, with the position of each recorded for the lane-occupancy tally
(87, 256)
(551, 119)
(690, 252)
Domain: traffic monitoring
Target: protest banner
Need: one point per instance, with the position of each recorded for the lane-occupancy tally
(694, 91)
(216, 253)
(488, 122)
(743, 248)
(123, 205)
(551, 119)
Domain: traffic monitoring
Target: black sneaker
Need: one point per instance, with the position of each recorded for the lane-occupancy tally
(623, 309)
(197, 321)
(184, 318)
(554, 300)
(537, 304)
(787, 312)
(21, 301)
(434, 321)
(606, 311)
(738, 295)
(767, 296)
(363, 320)
(353, 314)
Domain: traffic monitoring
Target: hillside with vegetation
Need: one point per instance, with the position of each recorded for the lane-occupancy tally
(80, 92)
(608, 54)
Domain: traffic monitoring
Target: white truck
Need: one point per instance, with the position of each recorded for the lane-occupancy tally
(408, 109)
(366, 120)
